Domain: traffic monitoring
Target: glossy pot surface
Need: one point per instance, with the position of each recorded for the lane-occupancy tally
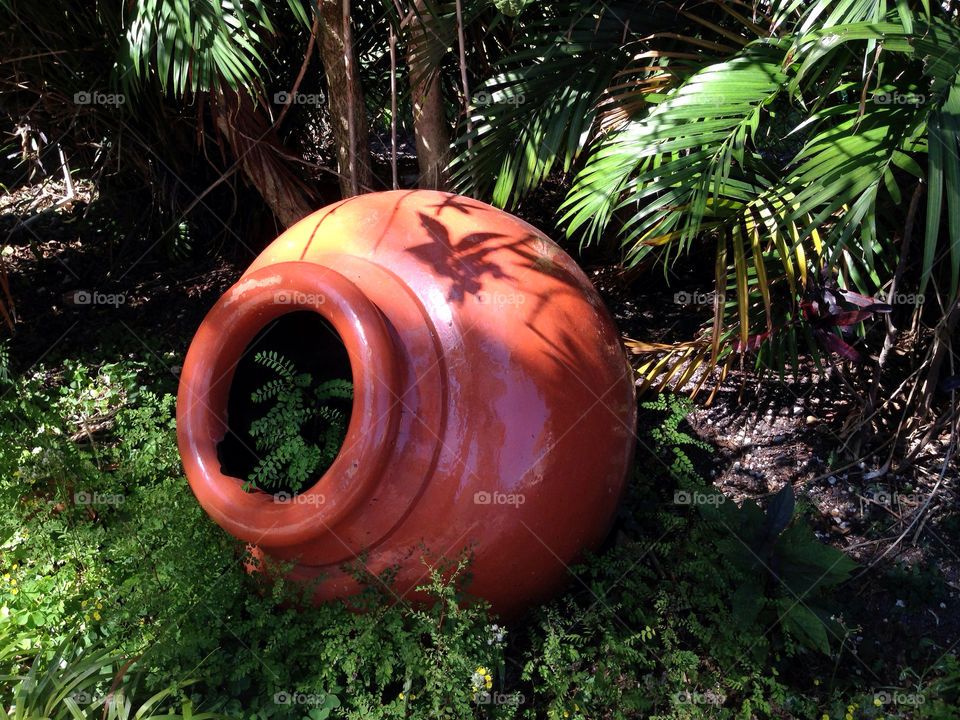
(493, 405)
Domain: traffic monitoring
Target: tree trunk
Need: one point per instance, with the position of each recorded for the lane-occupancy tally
(345, 100)
(256, 147)
(431, 133)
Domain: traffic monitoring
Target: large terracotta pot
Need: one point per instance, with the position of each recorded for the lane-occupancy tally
(493, 406)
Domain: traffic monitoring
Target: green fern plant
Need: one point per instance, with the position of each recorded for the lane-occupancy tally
(300, 433)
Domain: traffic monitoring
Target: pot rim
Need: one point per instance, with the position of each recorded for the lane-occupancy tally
(255, 300)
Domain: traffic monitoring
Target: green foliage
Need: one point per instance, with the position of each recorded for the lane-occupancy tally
(197, 46)
(786, 571)
(300, 433)
(103, 546)
(788, 143)
(689, 614)
(396, 659)
(73, 681)
(670, 439)
(541, 100)
(511, 8)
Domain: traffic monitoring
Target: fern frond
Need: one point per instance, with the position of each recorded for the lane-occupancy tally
(291, 459)
(268, 391)
(272, 360)
(334, 389)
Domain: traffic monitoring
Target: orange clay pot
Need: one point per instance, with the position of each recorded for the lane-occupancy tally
(493, 405)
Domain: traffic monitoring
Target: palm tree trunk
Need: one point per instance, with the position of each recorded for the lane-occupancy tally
(345, 100)
(431, 133)
(257, 149)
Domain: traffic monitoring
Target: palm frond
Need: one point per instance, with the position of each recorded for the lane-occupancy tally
(197, 46)
(537, 110)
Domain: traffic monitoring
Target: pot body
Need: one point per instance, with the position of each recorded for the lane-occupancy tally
(494, 407)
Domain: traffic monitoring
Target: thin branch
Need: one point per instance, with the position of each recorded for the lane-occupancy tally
(348, 68)
(898, 273)
(922, 510)
(463, 75)
(393, 107)
(303, 70)
(223, 176)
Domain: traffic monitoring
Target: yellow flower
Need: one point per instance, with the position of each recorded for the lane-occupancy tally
(848, 716)
(96, 615)
(99, 606)
(876, 701)
(6, 576)
(14, 566)
(400, 696)
(849, 708)
(825, 717)
(83, 604)
(816, 682)
(13, 582)
(14, 591)
(566, 714)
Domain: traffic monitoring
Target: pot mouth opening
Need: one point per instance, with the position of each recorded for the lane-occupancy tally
(244, 312)
(292, 389)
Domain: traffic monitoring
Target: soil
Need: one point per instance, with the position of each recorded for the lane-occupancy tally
(75, 292)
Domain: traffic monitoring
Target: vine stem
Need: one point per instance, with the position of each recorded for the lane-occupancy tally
(463, 75)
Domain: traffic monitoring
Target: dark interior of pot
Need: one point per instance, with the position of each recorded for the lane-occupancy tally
(313, 346)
